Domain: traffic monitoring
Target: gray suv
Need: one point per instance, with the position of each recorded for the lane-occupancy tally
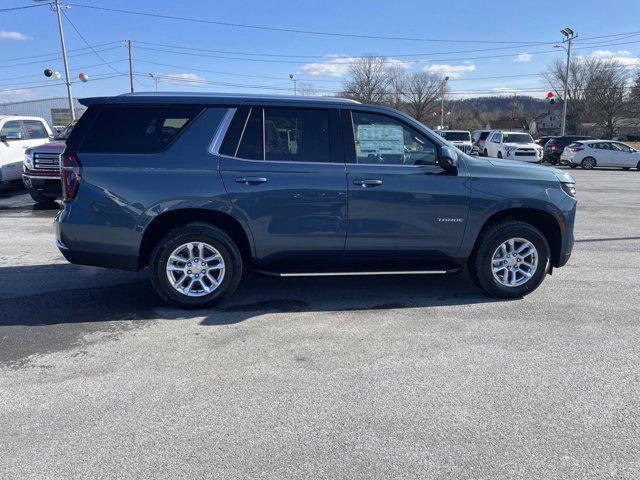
(200, 188)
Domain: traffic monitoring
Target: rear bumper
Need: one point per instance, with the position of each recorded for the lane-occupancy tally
(93, 245)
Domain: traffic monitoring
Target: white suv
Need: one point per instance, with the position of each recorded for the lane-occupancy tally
(460, 139)
(512, 145)
(16, 135)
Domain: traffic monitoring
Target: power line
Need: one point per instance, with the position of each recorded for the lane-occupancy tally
(56, 58)
(11, 9)
(44, 85)
(291, 30)
(56, 53)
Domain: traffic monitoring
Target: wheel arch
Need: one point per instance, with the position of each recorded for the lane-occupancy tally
(543, 220)
(161, 224)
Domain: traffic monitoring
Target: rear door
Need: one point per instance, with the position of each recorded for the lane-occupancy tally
(284, 171)
(400, 200)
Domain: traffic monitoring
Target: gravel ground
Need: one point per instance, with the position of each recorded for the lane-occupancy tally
(403, 377)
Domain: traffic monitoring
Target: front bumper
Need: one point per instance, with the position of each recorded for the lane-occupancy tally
(48, 185)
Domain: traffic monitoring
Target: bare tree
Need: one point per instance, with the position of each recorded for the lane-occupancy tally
(397, 85)
(422, 94)
(307, 89)
(368, 80)
(605, 95)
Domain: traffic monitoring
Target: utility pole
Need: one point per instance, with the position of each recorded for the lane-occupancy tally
(131, 67)
(569, 37)
(442, 102)
(64, 60)
(155, 78)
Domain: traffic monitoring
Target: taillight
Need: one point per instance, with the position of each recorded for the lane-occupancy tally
(576, 149)
(554, 147)
(70, 172)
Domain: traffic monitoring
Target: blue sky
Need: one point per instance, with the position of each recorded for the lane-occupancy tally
(27, 36)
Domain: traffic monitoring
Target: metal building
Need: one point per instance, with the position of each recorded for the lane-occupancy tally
(54, 110)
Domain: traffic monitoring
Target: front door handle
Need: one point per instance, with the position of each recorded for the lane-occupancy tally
(251, 180)
(365, 182)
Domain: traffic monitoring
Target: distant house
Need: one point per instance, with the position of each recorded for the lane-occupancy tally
(626, 128)
(548, 123)
(515, 124)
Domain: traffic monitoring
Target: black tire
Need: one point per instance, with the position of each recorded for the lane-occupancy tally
(40, 198)
(480, 263)
(587, 165)
(626, 168)
(485, 153)
(638, 167)
(196, 232)
(499, 154)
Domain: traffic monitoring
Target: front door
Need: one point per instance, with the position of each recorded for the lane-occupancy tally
(400, 201)
(286, 179)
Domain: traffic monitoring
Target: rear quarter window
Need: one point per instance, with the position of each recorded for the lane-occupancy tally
(136, 129)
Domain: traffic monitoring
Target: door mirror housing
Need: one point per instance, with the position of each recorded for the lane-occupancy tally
(11, 136)
(448, 159)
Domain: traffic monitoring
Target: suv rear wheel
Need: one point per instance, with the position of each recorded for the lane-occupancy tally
(511, 259)
(195, 265)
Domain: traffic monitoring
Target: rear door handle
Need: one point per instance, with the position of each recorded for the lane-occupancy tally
(365, 182)
(251, 180)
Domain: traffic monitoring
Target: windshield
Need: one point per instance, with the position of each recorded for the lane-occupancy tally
(64, 133)
(517, 138)
(457, 136)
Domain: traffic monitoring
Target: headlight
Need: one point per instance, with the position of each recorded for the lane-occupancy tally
(569, 188)
(28, 159)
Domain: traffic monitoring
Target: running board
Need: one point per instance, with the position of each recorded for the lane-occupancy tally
(346, 274)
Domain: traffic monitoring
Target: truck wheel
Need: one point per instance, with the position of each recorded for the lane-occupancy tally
(195, 265)
(510, 260)
(40, 198)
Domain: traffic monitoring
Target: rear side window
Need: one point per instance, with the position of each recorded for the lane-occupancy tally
(251, 138)
(35, 129)
(298, 135)
(137, 129)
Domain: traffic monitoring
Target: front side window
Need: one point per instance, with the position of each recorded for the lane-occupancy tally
(497, 138)
(136, 129)
(383, 140)
(12, 126)
(622, 147)
(35, 129)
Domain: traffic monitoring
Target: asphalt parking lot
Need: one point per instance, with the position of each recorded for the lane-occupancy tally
(403, 377)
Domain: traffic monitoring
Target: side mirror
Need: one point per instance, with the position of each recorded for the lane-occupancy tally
(11, 136)
(448, 160)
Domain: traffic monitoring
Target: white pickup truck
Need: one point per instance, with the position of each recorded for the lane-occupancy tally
(17, 134)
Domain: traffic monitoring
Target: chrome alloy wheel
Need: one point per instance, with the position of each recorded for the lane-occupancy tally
(514, 262)
(195, 269)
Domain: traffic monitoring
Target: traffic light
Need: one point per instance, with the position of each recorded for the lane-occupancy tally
(551, 98)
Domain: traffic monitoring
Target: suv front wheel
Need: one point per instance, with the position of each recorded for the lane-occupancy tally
(195, 266)
(511, 259)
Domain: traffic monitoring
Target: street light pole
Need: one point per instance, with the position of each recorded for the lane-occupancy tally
(64, 60)
(442, 102)
(154, 78)
(569, 37)
(131, 66)
(295, 84)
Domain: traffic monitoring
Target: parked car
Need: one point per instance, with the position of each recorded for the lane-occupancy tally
(554, 147)
(542, 141)
(460, 138)
(201, 188)
(478, 138)
(600, 153)
(16, 135)
(41, 170)
(513, 145)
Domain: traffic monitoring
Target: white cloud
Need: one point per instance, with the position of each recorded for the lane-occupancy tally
(505, 90)
(4, 35)
(18, 95)
(338, 65)
(182, 77)
(609, 53)
(523, 57)
(454, 71)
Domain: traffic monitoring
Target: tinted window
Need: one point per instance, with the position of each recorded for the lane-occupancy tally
(456, 136)
(297, 135)
(65, 132)
(251, 138)
(384, 140)
(136, 129)
(230, 142)
(12, 126)
(35, 129)
(484, 135)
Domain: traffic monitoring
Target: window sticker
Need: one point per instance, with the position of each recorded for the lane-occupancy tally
(381, 139)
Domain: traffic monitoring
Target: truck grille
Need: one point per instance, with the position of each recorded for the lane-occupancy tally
(46, 161)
